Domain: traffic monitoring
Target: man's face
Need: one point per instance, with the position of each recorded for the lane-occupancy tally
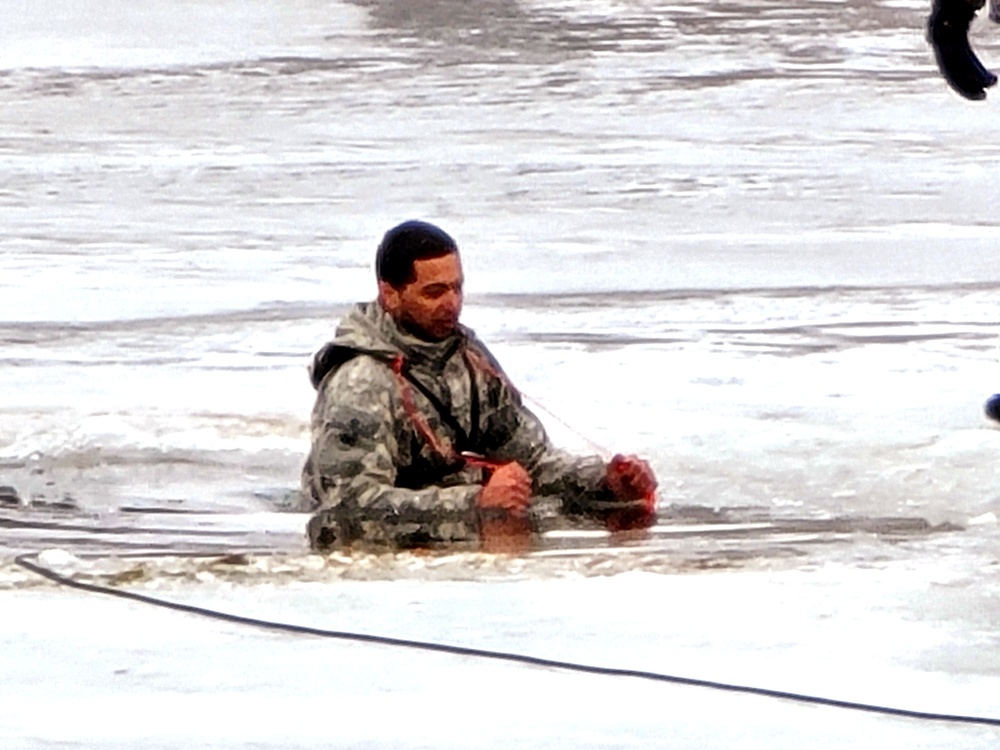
(430, 305)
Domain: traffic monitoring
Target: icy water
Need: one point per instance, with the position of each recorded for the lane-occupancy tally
(752, 242)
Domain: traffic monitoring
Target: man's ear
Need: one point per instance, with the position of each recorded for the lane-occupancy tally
(388, 297)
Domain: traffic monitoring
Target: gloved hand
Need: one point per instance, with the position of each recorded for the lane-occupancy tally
(630, 478)
(633, 484)
(948, 33)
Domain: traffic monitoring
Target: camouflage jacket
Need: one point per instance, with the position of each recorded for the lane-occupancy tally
(392, 415)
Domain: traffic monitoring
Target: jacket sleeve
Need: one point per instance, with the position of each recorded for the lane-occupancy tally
(579, 481)
(354, 463)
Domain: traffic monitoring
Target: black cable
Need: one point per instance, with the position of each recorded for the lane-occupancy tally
(34, 567)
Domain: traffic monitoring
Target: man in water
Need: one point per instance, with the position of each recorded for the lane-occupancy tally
(419, 438)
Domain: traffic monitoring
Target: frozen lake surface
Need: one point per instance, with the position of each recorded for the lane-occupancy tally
(752, 243)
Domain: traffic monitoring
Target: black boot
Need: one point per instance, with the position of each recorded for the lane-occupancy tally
(948, 33)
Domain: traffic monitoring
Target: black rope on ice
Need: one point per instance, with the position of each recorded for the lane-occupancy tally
(25, 562)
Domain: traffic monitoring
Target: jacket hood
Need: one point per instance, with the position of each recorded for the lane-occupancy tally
(368, 329)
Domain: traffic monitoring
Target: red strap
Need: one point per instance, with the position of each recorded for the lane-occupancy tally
(439, 445)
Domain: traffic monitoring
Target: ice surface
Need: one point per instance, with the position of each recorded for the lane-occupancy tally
(761, 256)
(121, 673)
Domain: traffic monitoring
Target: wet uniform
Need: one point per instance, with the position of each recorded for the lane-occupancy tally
(392, 415)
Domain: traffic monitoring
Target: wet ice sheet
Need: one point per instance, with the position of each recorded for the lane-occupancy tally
(148, 543)
(897, 633)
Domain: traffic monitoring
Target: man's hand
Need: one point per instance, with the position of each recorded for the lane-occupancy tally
(509, 488)
(630, 478)
(633, 485)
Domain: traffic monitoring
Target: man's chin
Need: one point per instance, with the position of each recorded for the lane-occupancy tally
(440, 333)
(435, 332)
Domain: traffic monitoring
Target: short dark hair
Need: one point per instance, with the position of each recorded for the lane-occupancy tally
(412, 240)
